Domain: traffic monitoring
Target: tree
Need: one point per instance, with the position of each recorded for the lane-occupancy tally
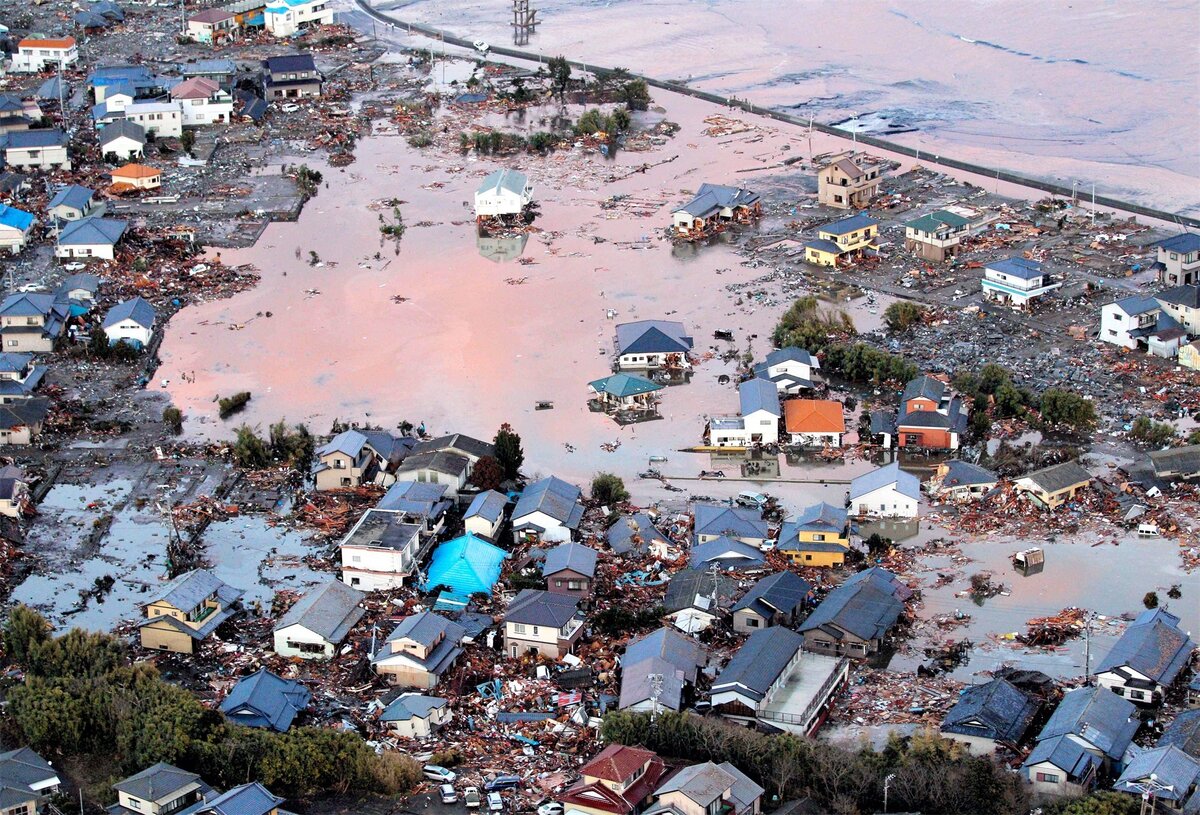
(560, 75)
(188, 140)
(992, 376)
(981, 423)
(902, 315)
(636, 94)
(250, 451)
(1009, 401)
(1098, 803)
(24, 631)
(508, 451)
(1152, 433)
(488, 474)
(173, 419)
(1067, 408)
(609, 489)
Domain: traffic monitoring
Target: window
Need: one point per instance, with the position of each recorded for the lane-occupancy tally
(752, 622)
(518, 628)
(354, 581)
(134, 803)
(535, 631)
(356, 558)
(1047, 778)
(558, 584)
(808, 557)
(1137, 694)
(31, 321)
(13, 343)
(819, 536)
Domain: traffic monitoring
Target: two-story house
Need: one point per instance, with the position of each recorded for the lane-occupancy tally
(714, 521)
(316, 624)
(819, 537)
(713, 205)
(186, 610)
(757, 422)
(548, 510)
(163, 119)
(791, 369)
(1178, 260)
(416, 716)
(707, 789)
(569, 569)
(35, 55)
(503, 193)
(1088, 733)
(814, 422)
(283, 18)
(653, 346)
(419, 650)
(936, 236)
(1131, 321)
(485, 516)
(356, 457)
(27, 781)
(842, 241)
(777, 599)
(160, 789)
(659, 671)
(32, 322)
(848, 183)
(381, 551)
(203, 102)
(930, 416)
(15, 228)
(1148, 658)
(71, 203)
(35, 149)
(543, 622)
(294, 76)
(1182, 303)
(19, 377)
(1016, 281)
(854, 618)
(212, 26)
(887, 492)
(619, 780)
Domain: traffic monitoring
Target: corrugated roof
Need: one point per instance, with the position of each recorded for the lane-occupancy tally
(329, 611)
(759, 662)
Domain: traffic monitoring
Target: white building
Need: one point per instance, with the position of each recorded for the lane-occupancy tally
(317, 623)
(758, 421)
(1016, 281)
(504, 192)
(164, 119)
(1178, 259)
(203, 102)
(35, 149)
(131, 321)
(651, 345)
(35, 55)
(485, 515)
(1129, 320)
(548, 510)
(92, 237)
(888, 492)
(381, 551)
(415, 716)
(15, 226)
(791, 369)
(285, 17)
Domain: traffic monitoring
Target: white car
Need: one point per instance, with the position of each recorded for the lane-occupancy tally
(551, 808)
(481, 46)
(471, 797)
(495, 802)
(449, 796)
(440, 774)
(290, 107)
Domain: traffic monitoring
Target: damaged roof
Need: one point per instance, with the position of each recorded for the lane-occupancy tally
(1096, 715)
(1058, 477)
(633, 532)
(265, 700)
(329, 611)
(994, 710)
(780, 593)
(1153, 645)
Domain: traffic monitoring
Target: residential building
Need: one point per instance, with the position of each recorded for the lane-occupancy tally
(660, 669)
(136, 176)
(504, 193)
(958, 480)
(1171, 774)
(443, 467)
(203, 102)
(1089, 733)
(19, 377)
(14, 491)
(416, 716)
(13, 186)
(883, 428)
(381, 551)
(283, 18)
(27, 781)
(1189, 355)
(793, 370)
(294, 76)
(542, 621)
(464, 566)
(570, 569)
(887, 492)
(1131, 321)
(814, 422)
(713, 205)
(21, 422)
(1178, 260)
(848, 183)
(819, 537)
(994, 714)
(842, 242)
(460, 444)
(714, 521)
(79, 289)
(163, 119)
(186, 610)
(135, 80)
(548, 510)
(1182, 303)
(419, 650)
(316, 624)
(707, 789)
(1016, 281)
(17, 113)
(726, 553)
(776, 599)
(212, 26)
(697, 598)
(936, 236)
(265, 700)
(624, 393)
(221, 71)
(356, 457)
(757, 422)
(32, 322)
(652, 346)
(773, 679)
(1051, 487)
(485, 516)
(248, 799)
(1174, 463)
(93, 237)
(131, 322)
(160, 789)
(1148, 658)
(854, 618)
(1183, 732)
(35, 149)
(71, 203)
(930, 416)
(35, 55)
(637, 535)
(619, 780)
(422, 503)
(15, 228)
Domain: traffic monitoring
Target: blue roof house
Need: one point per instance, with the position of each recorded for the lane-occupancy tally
(1016, 281)
(713, 521)
(265, 700)
(549, 509)
(464, 566)
(131, 322)
(988, 715)
(887, 492)
(15, 226)
(1148, 658)
(485, 515)
(1090, 731)
(653, 345)
(91, 237)
(757, 422)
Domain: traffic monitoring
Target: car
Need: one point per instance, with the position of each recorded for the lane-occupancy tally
(495, 802)
(440, 774)
(751, 499)
(449, 796)
(551, 808)
(471, 797)
(481, 46)
(503, 782)
(290, 107)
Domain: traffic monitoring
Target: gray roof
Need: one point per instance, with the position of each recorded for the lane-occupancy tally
(707, 782)
(712, 198)
(289, 63)
(80, 280)
(534, 607)
(329, 611)
(570, 556)
(349, 442)
(961, 473)
(906, 483)
(733, 522)
(383, 529)
(675, 657)
(792, 354)
(1058, 477)
(653, 337)
(863, 607)
(925, 387)
(409, 706)
(1153, 646)
(726, 553)
(136, 309)
(189, 589)
(1174, 771)
(441, 461)
(416, 497)
(425, 628)
(72, 195)
(1184, 732)
(511, 180)
(620, 536)
(782, 592)
(464, 444)
(1066, 754)
(248, 799)
(93, 230)
(22, 769)
(1176, 461)
(820, 517)
(759, 394)
(157, 782)
(22, 139)
(759, 662)
(122, 128)
(488, 505)
(265, 700)
(1098, 716)
(994, 710)
(551, 496)
(687, 585)
(1188, 296)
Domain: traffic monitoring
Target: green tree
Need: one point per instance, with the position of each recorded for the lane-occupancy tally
(1009, 401)
(1098, 803)
(1063, 407)
(24, 631)
(609, 489)
(1150, 600)
(992, 376)
(560, 75)
(249, 450)
(902, 315)
(508, 450)
(1152, 433)
(49, 717)
(807, 325)
(636, 94)
(981, 423)
(590, 121)
(173, 419)
(188, 141)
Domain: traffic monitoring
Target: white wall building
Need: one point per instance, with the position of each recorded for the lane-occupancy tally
(1128, 320)
(317, 623)
(381, 551)
(35, 55)
(164, 119)
(284, 18)
(1016, 281)
(504, 192)
(888, 492)
(758, 421)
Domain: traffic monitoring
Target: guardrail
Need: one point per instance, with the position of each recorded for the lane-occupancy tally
(750, 107)
(818, 701)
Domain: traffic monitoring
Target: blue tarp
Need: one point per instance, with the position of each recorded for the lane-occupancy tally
(466, 565)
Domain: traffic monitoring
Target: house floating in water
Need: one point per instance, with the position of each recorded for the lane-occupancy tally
(713, 207)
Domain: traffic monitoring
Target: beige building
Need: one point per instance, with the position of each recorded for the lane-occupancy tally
(160, 789)
(414, 716)
(708, 789)
(186, 611)
(848, 184)
(1054, 486)
(420, 649)
(542, 621)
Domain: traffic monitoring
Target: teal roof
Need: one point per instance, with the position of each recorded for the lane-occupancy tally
(623, 385)
(466, 564)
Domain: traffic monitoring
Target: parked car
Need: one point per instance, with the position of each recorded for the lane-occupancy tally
(290, 107)
(440, 774)
(471, 797)
(551, 808)
(449, 796)
(503, 782)
(495, 802)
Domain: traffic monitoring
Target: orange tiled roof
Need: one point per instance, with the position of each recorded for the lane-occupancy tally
(57, 42)
(136, 171)
(813, 416)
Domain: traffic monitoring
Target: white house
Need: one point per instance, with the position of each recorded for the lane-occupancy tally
(1016, 281)
(317, 623)
(124, 139)
(93, 237)
(131, 321)
(35, 55)
(415, 716)
(650, 345)
(504, 192)
(542, 621)
(203, 102)
(164, 119)
(381, 551)
(35, 149)
(15, 226)
(1129, 320)
(1148, 658)
(757, 422)
(888, 492)
(1182, 303)
(71, 203)
(283, 18)
(485, 515)
(791, 369)
(1178, 259)
(548, 510)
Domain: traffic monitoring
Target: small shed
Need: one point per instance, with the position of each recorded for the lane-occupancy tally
(131, 321)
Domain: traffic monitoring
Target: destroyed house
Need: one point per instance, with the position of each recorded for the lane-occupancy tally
(80, 288)
(464, 566)
(936, 236)
(21, 421)
(1172, 775)
(819, 537)
(620, 392)
(814, 422)
(637, 535)
(27, 781)
(842, 241)
(651, 345)
(317, 623)
(265, 700)
(713, 204)
(421, 502)
(725, 553)
(888, 492)
(294, 76)
(356, 457)
(15, 228)
(19, 377)
(35, 149)
(160, 789)
(569, 569)
(1147, 659)
(988, 716)
(854, 618)
(485, 515)
(1182, 303)
(696, 598)
(187, 610)
(503, 192)
(660, 668)
(382, 550)
(1016, 281)
(212, 26)
(549, 509)
(1177, 462)
(714, 521)
(707, 789)
(32, 322)
(757, 422)
(248, 799)
(846, 184)
(419, 650)
(1178, 260)
(958, 480)
(1053, 486)
(776, 599)
(71, 203)
(416, 716)
(14, 491)
(92, 237)
(619, 780)
(542, 621)
(791, 369)
(1089, 732)
(1183, 732)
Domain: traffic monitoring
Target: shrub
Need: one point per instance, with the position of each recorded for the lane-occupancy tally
(227, 406)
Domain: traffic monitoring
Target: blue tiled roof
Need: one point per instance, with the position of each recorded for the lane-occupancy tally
(820, 517)
(961, 473)
(1184, 732)
(488, 505)
(759, 662)
(1153, 645)
(73, 196)
(1174, 771)
(725, 552)
(822, 245)
(93, 230)
(1098, 716)
(1017, 267)
(906, 483)
(653, 337)
(265, 700)
(248, 799)
(1137, 304)
(1183, 243)
(792, 354)
(734, 522)
(20, 139)
(136, 309)
(994, 710)
(847, 225)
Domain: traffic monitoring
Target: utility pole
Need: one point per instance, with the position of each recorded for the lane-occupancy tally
(656, 683)
(887, 783)
(1087, 647)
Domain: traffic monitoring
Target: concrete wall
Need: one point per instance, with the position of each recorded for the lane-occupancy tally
(299, 635)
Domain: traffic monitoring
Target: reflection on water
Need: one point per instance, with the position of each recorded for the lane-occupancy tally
(501, 249)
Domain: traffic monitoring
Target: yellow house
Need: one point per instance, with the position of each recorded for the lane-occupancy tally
(187, 610)
(1189, 355)
(847, 238)
(1051, 487)
(820, 537)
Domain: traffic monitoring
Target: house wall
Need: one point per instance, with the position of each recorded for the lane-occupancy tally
(340, 468)
(885, 502)
(1180, 269)
(560, 583)
(198, 112)
(296, 17)
(1189, 357)
(976, 745)
(33, 60)
(819, 257)
(849, 645)
(820, 560)
(53, 157)
(746, 621)
(168, 123)
(162, 638)
(370, 580)
(12, 239)
(680, 802)
(1051, 500)
(498, 202)
(928, 249)
(763, 427)
(86, 251)
(1189, 318)
(407, 676)
(124, 147)
(482, 527)
(1137, 695)
(1115, 326)
(928, 437)
(551, 526)
(129, 331)
(18, 435)
(288, 640)
(758, 542)
(453, 483)
(641, 362)
(34, 342)
(65, 213)
(545, 642)
(1059, 787)
(816, 439)
(309, 91)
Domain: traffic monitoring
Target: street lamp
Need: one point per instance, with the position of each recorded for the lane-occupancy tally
(1149, 790)
(887, 783)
